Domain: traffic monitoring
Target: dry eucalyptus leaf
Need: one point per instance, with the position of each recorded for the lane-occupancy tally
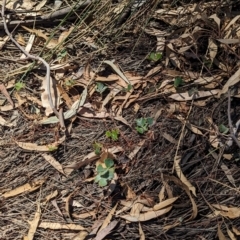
(181, 176)
(34, 223)
(146, 216)
(53, 162)
(28, 187)
(57, 226)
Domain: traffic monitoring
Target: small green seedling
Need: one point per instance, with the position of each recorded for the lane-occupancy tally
(128, 88)
(19, 85)
(155, 56)
(100, 87)
(113, 134)
(178, 81)
(97, 148)
(143, 124)
(105, 174)
(223, 129)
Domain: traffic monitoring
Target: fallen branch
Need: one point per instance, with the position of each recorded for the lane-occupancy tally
(46, 18)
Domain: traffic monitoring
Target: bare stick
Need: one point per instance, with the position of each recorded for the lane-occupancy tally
(37, 58)
(230, 120)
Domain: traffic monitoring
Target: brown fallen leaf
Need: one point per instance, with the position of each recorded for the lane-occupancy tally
(181, 176)
(230, 234)
(84, 215)
(56, 226)
(50, 196)
(81, 235)
(108, 218)
(200, 94)
(186, 189)
(228, 174)
(34, 223)
(28, 187)
(43, 148)
(6, 94)
(67, 204)
(236, 231)
(231, 212)
(146, 216)
(53, 162)
(164, 204)
(105, 231)
(220, 234)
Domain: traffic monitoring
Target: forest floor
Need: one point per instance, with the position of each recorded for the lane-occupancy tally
(119, 120)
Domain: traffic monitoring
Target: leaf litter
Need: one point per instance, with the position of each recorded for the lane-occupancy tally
(110, 81)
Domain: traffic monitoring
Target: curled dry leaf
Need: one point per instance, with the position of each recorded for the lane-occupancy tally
(6, 94)
(231, 212)
(68, 203)
(117, 70)
(28, 187)
(186, 189)
(146, 216)
(181, 176)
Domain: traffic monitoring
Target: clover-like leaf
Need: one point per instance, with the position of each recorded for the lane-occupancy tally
(178, 82)
(155, 56)
(111, 173)
(101, 169)
(109, 162)
(150, 121)
(141, 122)
(100, 87)
(140, 130)
(97, 178)
(102, 182)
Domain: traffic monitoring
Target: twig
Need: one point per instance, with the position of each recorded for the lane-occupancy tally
(37, 58)
(46, 17)
(230, 120)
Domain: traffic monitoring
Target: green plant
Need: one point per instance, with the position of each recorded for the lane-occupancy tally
(97, 148)
(178, 81)
(104, 174)
(155, 56)
(223, 129)
(100, 87)
(128, 88)
(143, 124)
(19, 85)
(113, 134)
